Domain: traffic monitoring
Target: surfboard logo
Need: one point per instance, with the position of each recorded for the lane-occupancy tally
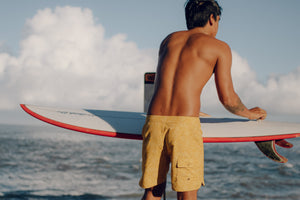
(149, 77)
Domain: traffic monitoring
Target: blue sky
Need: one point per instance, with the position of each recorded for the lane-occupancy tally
(263, 34)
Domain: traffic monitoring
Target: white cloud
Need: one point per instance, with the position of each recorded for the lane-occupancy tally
(280, 94)
(66, 60)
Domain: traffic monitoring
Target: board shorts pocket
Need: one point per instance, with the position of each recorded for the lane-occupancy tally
(186, 175)
(185, 169)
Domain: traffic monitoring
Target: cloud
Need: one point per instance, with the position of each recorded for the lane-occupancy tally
(279, 95)
(65, 59)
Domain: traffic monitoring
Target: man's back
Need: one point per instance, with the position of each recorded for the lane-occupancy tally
(186, 62)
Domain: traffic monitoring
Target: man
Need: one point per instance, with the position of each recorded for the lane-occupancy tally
(172, 131)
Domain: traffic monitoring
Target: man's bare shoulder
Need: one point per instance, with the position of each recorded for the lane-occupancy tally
(203, 38)
(223, 45)
(213, 45)
(173, 39)
(167, 39)
(175, 36)
(223, 48)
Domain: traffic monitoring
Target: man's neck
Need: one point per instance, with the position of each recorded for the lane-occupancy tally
(204, 30)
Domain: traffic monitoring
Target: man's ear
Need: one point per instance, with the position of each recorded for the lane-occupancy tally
(211, 19)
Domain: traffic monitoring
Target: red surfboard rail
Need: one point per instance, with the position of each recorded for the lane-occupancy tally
(81, 129)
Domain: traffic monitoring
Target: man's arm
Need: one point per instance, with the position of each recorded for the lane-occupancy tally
(226, 92)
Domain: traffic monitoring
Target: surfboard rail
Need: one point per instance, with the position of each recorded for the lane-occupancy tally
(80, 129)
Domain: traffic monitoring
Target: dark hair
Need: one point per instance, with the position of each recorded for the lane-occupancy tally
(197, 12)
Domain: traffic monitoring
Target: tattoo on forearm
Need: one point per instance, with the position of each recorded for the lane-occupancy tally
(238, 107)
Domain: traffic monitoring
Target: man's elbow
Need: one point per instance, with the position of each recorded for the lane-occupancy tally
(231, 103)
(227, 101)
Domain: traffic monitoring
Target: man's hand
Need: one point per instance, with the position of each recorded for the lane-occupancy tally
(257, 114)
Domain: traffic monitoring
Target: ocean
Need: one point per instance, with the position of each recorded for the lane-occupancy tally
(44, 162)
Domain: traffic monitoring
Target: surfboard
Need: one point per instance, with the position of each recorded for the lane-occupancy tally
(128, 125)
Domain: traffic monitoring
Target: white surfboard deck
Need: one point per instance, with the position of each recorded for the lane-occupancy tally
(129, 125)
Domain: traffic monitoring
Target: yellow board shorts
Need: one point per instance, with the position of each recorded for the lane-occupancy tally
(176, 140)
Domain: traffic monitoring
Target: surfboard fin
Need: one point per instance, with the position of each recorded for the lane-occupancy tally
(268, 148)
(284, 143)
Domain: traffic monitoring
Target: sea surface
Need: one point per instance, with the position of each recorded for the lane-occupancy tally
(45, 162)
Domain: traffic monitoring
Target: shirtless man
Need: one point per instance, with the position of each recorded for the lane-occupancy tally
(172, 131)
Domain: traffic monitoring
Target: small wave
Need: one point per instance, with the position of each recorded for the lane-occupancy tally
(37, 195)
(31, 195)
(289, 165)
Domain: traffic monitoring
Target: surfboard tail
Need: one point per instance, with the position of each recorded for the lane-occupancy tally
(268, 148)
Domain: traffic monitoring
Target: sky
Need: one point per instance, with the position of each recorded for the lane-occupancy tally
(93, 53)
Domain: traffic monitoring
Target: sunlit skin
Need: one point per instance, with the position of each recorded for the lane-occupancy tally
(187, 60)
